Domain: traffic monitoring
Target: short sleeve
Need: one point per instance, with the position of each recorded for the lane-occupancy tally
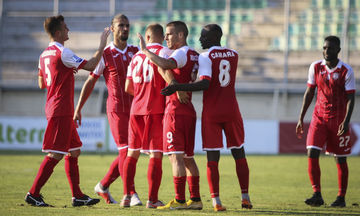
(129, 71)
(39, 65)
(70, 60)
(311, 76)
(99, 68)
(350, 81)
(205, 66)
(165, 52)
(179, 56)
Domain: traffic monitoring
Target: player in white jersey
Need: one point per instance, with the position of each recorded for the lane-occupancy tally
(217, 72)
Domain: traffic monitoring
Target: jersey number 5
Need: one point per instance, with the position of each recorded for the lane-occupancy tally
(224, 75)
(47, 71)
(147, 69)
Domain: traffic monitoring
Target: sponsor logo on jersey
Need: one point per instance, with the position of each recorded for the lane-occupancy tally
(170, 146)
(335, 76)
(77, 59)
(131, 54)
(124, 58)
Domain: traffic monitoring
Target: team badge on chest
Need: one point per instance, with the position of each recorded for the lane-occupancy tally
(335, 76)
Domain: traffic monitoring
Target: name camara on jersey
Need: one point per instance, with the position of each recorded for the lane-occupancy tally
(222, 54)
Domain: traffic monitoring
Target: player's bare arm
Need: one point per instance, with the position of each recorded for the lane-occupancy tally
(41, 82)
(84, 95)
(344, 126)
(129, 87)
(308, 97)
(195, 86)
(159, 61)
(91, 64)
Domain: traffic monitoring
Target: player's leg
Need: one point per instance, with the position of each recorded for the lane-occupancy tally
(102, 188)
(56, 143)
(154, 176)
(213, 178)
(129, 175)
(193, 180)
(192, 171)
(179, 179)
(152, 144)
(316, 138)
(119, 130)
(242, 172)
(234, 132)
(343, 175)
(314, 175)
(211, 133)
(33, 197)
(72, 172)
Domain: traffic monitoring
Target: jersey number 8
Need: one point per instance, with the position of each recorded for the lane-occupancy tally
(224, 75)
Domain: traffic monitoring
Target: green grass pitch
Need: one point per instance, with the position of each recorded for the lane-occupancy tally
(278, 186)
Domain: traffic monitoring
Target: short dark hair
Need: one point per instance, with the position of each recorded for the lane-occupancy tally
(53, 24)
(179, 27)
(215, 30)
(333, 39)
(118, 16)
(156, 29)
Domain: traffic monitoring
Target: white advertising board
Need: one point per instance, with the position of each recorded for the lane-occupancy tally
(27, 133)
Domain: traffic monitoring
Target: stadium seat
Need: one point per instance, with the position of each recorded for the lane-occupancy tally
(177, 15)
(161, 4)
(235, 28)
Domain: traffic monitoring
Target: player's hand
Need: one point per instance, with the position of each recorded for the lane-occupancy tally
(343, 128)
(104, 36)
(299, 129)
(183, 97)
(77, 118)
(168, 90)
(141, 42)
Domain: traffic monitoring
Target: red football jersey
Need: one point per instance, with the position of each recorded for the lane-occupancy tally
(332, 87)
(219, 65)
(56, 66)
(186, 71)
(113, 65)
(147, 82)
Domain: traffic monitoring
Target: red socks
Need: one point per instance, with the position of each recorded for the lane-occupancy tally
(179, 183)
(129, 174)
(122, 157)
(242, 171)
(314, 173)
(343, 174)
(72, 173)
(112, 174)
(213, 178)
(44, 173)
(194, 187)
(154, 178)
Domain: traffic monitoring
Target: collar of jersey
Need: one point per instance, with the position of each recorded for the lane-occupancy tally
(112, 46)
